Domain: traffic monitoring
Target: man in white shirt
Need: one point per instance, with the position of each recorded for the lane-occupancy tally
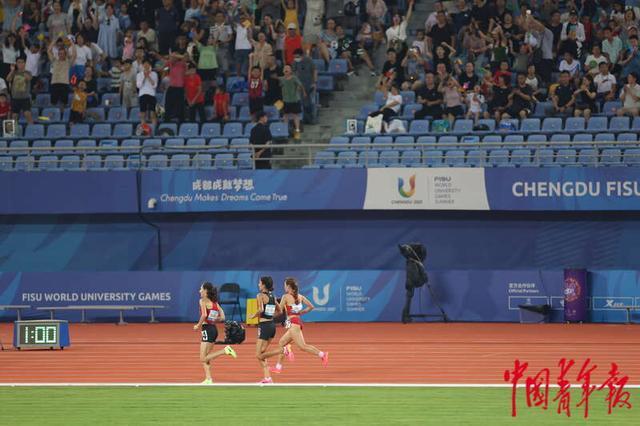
(630, 97)
(605, 84)
(593, 61)
(147, 82)
(570, 65)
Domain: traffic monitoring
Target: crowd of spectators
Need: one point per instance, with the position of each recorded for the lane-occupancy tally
(498, 59)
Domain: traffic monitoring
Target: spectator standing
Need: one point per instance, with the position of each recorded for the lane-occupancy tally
(259, 137)
(292, 42)
(83, 57)
(291, 90)
(20, 80)
(57, 23)
(174, 100)
(194, 94)
(207, 63)
(60, 67)
(221, 101)
(272, 74)
(256, 95)
(305, 70)
(243, 46)
(147, 82)
(167, 19)
(376, 10)
(397, 32)
(261, 51)
(149, 34)
(128, 85)
(108, 33)
(222, 34)
(78, 103)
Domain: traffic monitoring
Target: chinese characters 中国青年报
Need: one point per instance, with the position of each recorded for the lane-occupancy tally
(537, 386)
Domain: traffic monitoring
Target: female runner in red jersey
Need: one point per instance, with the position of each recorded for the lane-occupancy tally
(294, 304)
(210, 313)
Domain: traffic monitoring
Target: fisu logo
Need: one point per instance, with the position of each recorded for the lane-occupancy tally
(412, 187)
(325, 295)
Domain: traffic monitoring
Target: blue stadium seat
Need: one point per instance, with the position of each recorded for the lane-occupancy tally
(114, 162)
(70, 162)
(611, 157)
(103, 84)
(52, 113)
(521, 157)
(101, 130)
(408, 111)
(34, 131)
(232, 130)
(455, 158)
(618, 124)
(202, 161)
(506, 125)
(86, 144)
(433, 158)
(42, 144)
(210, 130)
(110, 100)
(635, 125)
(361, 142)
(325, 83)
(131, 145)
(47, 162)
(135, 161)
(189, 130)
(610, 106)
(174, 143)
(411, 158)
(422, 140)
(151, 143)
(43, 100)
(574, 124)
(403, 142)
(107, 144)
(552, 125)
(236, 84)
(588, 157)
(597, 124)
(219, 144)
(489, 122)
(25, 163)
(134, 115)
(627, 137)
(79, 131)
(272, 113)
(123, 130)
(544, 157)
(247, 129)
(583, 137)
(537, 138)
(324, 158)
(530, 125)
(245, 161)
(566, 157)
(560, 139)
(476, 158)
(631, 156)
(514, 139)
(6, 164)
(96, 114)
(378, 98)
(64, 145)
(180, 161)
(408, 97)
(336, 141)
(366, 110)
(389, 158)
(56, 131)
(224, 161)
(418, 127)
(347, 159)
(92, 162)
(492, 139)
(118, 114)
(499, 158)
(239, 144)
(605, 137)
(463, 126)
(201, 142)
(337, 67)
(244, 114)
(158, 161)
(368, 158)
(448, 140)
(383, 142)
(19, 147)
(541, 109)
(279, 130)
(240, 99)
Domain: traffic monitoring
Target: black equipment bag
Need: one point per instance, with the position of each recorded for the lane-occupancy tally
(234, 332)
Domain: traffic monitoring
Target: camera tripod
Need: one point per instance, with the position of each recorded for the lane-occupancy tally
(407, 316)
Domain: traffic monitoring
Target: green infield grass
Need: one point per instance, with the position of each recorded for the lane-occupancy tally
(253, 405)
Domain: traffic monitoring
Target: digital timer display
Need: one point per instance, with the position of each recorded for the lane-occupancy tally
(51, 334)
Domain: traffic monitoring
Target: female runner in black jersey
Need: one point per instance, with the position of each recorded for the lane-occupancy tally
(210, 313)
(267, 309)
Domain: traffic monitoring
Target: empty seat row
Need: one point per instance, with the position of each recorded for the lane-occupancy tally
(479, 158)
(122, 162)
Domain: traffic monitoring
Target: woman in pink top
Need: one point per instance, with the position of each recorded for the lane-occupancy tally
(452, 98)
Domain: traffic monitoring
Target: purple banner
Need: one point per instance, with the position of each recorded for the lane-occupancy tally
(575, 295)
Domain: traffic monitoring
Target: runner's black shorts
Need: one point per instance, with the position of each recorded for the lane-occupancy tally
(209, 333)
(266, 330)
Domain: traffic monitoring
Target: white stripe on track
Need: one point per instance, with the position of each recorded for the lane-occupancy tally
(325, 385)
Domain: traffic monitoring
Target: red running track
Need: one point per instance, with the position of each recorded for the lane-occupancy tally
(360, 353)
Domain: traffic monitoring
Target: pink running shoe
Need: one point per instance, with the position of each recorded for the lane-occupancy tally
(277, 369)
(325, 359)
(266, 380)
(289, 353)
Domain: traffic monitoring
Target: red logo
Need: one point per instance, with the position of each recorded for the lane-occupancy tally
(572, 289)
